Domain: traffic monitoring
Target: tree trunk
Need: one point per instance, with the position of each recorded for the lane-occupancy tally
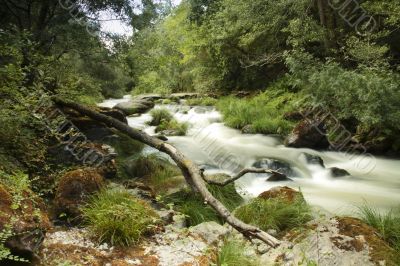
(327, 20)
(191, 172)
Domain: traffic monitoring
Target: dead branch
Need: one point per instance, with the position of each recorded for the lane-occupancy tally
(239, 175)
(191, 171)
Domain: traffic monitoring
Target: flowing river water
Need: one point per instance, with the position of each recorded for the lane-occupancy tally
(220, 149)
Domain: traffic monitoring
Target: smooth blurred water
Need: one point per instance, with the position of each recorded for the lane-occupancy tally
(221, 149)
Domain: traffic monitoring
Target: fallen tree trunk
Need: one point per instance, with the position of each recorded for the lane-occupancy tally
(191, 171)
(239, 175)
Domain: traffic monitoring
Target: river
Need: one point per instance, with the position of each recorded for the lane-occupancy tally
(217, 149)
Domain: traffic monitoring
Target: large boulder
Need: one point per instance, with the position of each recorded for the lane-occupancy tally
(74, 189)
(136, 106)
(23, 213)
(308, 134)
(103, 156)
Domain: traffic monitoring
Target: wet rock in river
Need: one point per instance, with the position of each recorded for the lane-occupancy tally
(248, 129)
(276, 165)
(338, 172)
(276, 176)
(314, 159)
(308, 134)
(137, 106)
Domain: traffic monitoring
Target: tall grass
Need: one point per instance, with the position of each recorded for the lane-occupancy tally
(159, 116)
(275, 213)
(388, 224)
(117, 217)
(231, 254)
(202, 101)
(193, 206)
(264, 112)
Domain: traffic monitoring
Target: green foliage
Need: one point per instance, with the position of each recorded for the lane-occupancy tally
(202, 101)
(275, 213)
(264, 112)
(193, 206)
(178, 129)
(388, 224)
(117, 217)
(160, 116)
(232, 254)
(368, 94)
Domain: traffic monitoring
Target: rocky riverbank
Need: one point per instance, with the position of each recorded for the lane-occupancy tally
(55, 231)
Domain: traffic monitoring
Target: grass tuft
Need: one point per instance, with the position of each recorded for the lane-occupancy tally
(275, 213)
(193, 206)
(117, 217)
(231, 254)
(178, 129)
(164, 121)
(160, 116)
(388, 224)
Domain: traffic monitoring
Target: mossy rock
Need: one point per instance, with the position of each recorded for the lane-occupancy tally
(379, 250)
(284, 193)
(74, 189)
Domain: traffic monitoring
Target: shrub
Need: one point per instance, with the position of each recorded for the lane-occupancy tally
(117, 217)
(160, 116)
(388, 225)
(275, 213)
(367, 96)
(231, 254)
(193, 206)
